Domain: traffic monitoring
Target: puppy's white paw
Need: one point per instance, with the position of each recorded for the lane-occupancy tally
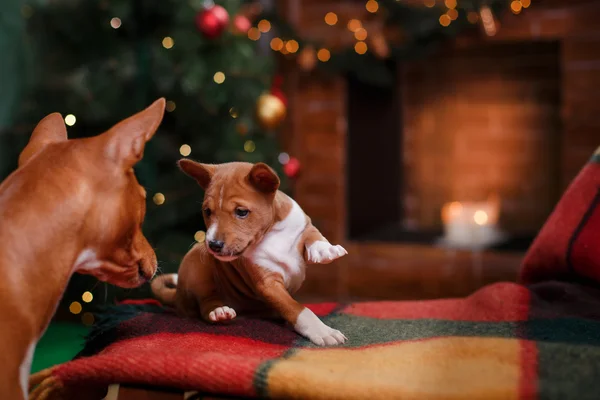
(312, 328)
(321, 252)
(222, 314)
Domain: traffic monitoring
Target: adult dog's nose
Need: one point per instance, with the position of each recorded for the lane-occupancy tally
(216, 245)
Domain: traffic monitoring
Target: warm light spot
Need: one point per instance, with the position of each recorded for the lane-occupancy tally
(219, 77)
(200, 236)
(455, 208)
(354, 25)
(283, 158)
(284, 50)
(480, 217)
(453, 14)
(70, 120)
(75, 307)
(516, 6)
(331, 18)
(87, 297)
(158, 199)
(87, 319)
(242, 129)
(372, 6)
(323, 55)
(170, 107)
(264, 26)
(168, 42)
(430, 3)
(360, 34)
(253, 33)
(445, 20)
(473, 17)
(185, 150)
(276, 44)
(450, 3)
(360, 47)
(249, 146)
(233, 112)
(292, 46)
(525, 3)
(115, 23)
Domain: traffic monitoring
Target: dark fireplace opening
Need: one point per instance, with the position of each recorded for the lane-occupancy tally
(466, 144)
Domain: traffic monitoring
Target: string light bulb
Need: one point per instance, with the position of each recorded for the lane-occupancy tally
(323, 55)
(199, 236)
(372, 6)
(264, 26)
(75, 307)
(233, 112)
(185, 150)
(525, 3)
(331, 18)
(219, 77)
(170, 107)
(276, 44)
(354, 25)
(115, 23)
(159, 199)
(253, 34)
(168, 42)
(445, 20)
(360, 34)
(249, 146)
(70, 119)
(360, 47)
(292, 46)
(516, 6)
(87, 297)
(450, 3)
(452, 13)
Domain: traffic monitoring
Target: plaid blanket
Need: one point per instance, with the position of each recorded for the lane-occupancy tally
(506, 341)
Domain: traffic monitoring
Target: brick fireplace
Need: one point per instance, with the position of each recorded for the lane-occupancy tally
(515, 116)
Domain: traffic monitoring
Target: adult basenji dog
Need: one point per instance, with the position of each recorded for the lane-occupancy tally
(71, 206)
(254, 257)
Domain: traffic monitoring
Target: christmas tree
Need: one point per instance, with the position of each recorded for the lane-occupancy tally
(98, 62)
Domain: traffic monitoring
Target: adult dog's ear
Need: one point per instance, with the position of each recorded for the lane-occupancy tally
(127, 139)
(202, 173)
(49, 130)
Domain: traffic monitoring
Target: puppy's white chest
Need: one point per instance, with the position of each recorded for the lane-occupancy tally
(279, 250)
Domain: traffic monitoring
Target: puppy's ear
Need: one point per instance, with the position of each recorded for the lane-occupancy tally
(127, 139)
(49, 130)
(263, 178)
(202, 173)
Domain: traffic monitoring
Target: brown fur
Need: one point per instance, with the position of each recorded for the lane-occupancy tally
(65, 197)
(208, 279)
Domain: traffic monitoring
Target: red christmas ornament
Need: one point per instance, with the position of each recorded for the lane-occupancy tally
(212, 21)
(276, 89)
(292, 167)
(241, 24)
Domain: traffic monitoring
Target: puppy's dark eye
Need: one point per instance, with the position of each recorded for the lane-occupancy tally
(207, 212)
(241, 213)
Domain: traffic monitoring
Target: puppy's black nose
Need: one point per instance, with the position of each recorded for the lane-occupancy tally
(216, 245)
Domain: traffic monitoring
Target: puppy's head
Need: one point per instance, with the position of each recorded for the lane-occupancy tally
(238, 204)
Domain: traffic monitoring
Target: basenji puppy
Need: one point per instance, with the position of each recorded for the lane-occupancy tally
(254, 257)
(71, 206)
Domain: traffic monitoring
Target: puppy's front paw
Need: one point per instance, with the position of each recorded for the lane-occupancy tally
(321, 252)
(222, 314)
(312, 328)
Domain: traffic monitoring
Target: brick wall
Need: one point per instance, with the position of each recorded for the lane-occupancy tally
(483, 120)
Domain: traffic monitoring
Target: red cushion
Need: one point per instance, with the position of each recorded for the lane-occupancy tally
(568, 246)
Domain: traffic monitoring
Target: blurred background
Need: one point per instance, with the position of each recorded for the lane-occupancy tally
(432, 138)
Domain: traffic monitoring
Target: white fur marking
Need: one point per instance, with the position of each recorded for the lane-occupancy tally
(278, 250)
(312, 328)
(222, 314)
(25, 369)
(323, 252)
(221, 197)
(87, 260)
(210, 233)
